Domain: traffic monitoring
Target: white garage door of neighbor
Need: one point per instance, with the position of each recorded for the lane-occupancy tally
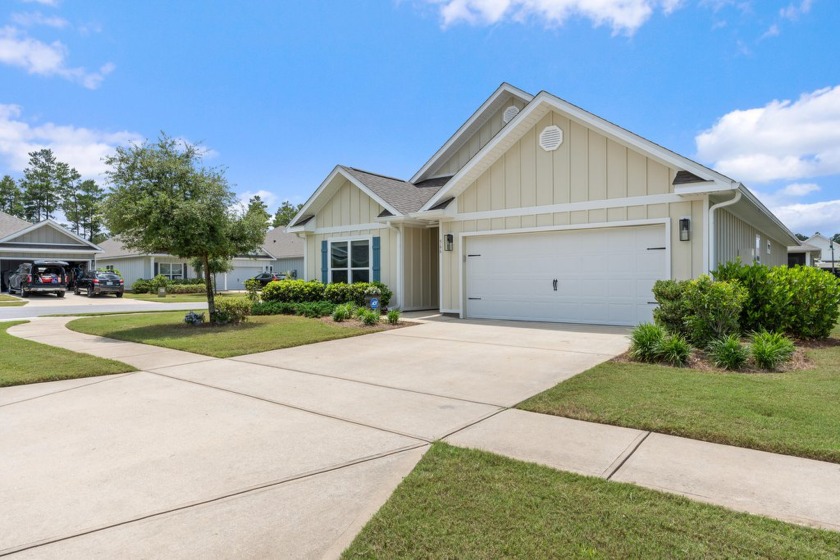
(598, 276)
(236, 277)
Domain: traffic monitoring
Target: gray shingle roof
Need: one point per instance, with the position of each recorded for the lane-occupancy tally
(9, 225)
(405, 197)
(283, 245)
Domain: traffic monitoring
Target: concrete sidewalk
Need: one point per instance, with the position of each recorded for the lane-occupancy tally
(792, 489)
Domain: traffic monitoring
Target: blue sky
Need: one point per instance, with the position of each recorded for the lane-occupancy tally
(281, 92)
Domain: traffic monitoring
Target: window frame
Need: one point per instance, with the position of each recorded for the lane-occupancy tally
(350, 268)
(180, 267)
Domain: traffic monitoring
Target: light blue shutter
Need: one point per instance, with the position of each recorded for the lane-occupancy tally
(324, 270)
(376, 261)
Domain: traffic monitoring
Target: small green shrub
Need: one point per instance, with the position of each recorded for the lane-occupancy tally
(231, 310)
(342, 313)
(729, 353)
(370, 317)
(294, 291)
(393, 316)
(141, 286)
(359, 311)
(253, 287)
(159, 281)
(339, 293)
(645, 342)
(713, 309)
(674, 350)
(815, 302)
(770, 349)
(186, 281)
(671, 312)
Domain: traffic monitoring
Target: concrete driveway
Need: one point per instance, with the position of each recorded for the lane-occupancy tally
(47, 304)
(283, 454)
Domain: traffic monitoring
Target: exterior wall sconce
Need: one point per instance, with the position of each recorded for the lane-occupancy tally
(685, 229)
(448, 242)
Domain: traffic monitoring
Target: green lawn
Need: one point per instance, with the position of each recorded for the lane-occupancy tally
(176, 298)
(795, 413)
(11, 301)
(257, 335)
(23, 361)
(460, 503)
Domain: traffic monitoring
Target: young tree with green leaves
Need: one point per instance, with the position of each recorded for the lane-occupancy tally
(259, 208)
(11, 197)
(286, 213)
(163, 201)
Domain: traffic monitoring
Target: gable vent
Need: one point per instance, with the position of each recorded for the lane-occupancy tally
(550, 138)
(509, 113)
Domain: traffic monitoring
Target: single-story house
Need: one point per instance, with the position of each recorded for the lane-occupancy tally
(22, 241)
(280, 252)
(536, 209)
(820, 253)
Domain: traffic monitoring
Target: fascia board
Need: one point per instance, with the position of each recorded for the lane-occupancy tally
(504, 89)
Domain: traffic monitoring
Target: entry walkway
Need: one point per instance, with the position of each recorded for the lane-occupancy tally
(288, 453)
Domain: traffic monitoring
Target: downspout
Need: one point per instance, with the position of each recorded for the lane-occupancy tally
(712, 251)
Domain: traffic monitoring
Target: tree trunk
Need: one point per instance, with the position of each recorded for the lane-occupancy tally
(208, 285)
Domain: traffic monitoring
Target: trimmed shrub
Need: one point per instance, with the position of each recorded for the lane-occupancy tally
(645, 342)
(671, 312)
(141, 286)
(186, 281)
(253, 287)
(186, 289)
(713, 309)
(770, 349)
(393, 316)
(159, 281)
(768, 295)
(729, 353)
(814, 303)
(293, 291)
(231, 310)
(304, 309)
(339, 292)
(674, 350)
(385, 293)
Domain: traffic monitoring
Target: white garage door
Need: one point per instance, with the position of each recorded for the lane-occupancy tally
(600, 276)
(236, 277)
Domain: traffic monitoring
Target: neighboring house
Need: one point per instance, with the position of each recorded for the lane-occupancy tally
(281, 252)
(536, 210)
(822, 253)
(22, 241)
(803, 255)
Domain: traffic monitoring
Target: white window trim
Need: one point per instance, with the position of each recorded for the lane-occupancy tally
(171, 276)
(349, 240)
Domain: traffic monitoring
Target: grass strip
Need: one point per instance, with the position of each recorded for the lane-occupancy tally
(460, 503)
(25, 361)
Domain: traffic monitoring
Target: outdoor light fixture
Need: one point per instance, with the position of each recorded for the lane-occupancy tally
(685, 229)
(448, 242)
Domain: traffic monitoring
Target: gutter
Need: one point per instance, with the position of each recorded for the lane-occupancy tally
(712, 251)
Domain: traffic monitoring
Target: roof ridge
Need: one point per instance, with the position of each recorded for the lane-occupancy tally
(377, 174)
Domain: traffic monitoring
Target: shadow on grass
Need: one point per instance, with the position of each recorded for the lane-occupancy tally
(166, 331)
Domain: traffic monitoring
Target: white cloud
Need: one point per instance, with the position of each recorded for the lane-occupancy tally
(793, 11)
(623, 16)
(270, 199)
(783, 140)
(29, 19)
(807, 218)
(37, 57)
(53, 3)
(82, 148)
(772, 31)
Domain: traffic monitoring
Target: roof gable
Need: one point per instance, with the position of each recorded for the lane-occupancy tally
(282, 245)
(494, 105)
(47, 232)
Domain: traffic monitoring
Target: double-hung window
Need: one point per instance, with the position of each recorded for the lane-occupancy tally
(350, 261)
(173, 271)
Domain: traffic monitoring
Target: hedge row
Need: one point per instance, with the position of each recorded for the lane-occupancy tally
(305, 309)
(300, 291)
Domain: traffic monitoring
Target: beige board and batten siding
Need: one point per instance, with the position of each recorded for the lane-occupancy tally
(48, 235)
(421, 268)
(477, 141)
(589, 179)
(735, 238)
(349, 208)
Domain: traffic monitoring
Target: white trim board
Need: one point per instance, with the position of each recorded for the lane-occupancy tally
(343, 229)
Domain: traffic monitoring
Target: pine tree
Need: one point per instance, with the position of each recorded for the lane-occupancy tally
(46, 183)
(11, 198)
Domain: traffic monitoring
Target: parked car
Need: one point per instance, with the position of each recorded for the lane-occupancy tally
(98, 282)
(266, 277)
(41, 276)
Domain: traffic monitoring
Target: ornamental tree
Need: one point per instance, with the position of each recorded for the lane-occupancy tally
(163, 201)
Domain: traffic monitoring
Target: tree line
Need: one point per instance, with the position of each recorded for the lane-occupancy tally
(49, 185)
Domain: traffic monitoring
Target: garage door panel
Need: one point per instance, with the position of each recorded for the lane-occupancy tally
(603, 275)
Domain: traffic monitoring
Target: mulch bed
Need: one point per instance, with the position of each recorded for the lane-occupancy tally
(700, 361)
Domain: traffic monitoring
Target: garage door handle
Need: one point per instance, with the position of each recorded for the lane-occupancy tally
(554, 283)
(473, 298)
